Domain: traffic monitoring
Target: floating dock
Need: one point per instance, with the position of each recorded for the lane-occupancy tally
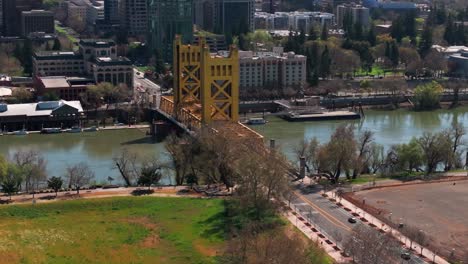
(335, 115)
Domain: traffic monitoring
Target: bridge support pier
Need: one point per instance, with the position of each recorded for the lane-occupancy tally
(160, 130)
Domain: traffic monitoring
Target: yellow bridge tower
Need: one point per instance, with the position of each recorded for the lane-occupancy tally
(205, 84)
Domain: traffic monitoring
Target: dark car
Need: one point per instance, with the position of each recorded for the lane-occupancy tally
(406, 256)
(352, 220)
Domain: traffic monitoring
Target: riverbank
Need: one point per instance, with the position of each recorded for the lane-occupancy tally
(115, 127)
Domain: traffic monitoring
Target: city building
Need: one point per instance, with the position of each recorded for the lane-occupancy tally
(11, 15)
(95, 58)
(224, 16)
(296, 21)
(215, 42)
(134, 16)
(113, 70)
(111, 11)
(275, 69)
(35, 116)
(76, 15)
(94, 12)
(56, 63)
(458, 64)
(37, 21)
(359, 14)
(66, 88)
(169, 18)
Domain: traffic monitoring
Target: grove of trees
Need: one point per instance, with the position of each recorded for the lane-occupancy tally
(349, 155)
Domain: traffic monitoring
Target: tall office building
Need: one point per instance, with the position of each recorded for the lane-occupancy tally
(225, 16)
(169, 18)
(134, 16)
(358, 13)
(12, 14)
(37, 21)
(111, 11)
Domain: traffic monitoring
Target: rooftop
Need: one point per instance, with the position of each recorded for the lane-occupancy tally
(51, 55)
(107, 61)
(37, 109)
(97, 43)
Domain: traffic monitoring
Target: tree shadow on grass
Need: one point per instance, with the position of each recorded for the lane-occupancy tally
(215, 226)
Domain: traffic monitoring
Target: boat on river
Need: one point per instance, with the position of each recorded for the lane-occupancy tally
(256, 121)
(75, 129)
(22, 132)
(91, 129)
(51, 130)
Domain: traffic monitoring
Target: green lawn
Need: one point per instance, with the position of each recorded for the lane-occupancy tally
(113, 230)
(62, 31)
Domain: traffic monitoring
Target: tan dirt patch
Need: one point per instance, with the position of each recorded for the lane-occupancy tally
(152, 240)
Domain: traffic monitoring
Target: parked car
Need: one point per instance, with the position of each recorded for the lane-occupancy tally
(352, 220)
(406, 255)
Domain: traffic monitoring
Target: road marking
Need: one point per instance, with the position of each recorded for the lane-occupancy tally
(328, 216)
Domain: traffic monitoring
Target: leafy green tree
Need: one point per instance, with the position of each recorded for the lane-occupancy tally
(50, 96)
(55, 183)
(57, 45)
(26, 55)
(325, 63)
(312, 34)
(11, 181)
(150, 174)
(371, 37)
(425, 44)
(324, 34)
(397, 30)
(427, 96)
(410, 155)
(436, 148)
(158, 62)
(3, 167)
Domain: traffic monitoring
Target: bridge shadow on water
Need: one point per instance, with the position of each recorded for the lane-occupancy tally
(144, 140)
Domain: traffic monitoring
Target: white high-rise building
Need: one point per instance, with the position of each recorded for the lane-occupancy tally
(275, 69)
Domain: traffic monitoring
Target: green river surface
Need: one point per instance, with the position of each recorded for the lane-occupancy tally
(98, 148)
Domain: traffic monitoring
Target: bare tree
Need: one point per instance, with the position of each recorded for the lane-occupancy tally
(79, 175)
(251, 246)
(33, 166)
(127, 164)
(456, 134)
(364, 148)
(436, 148)
(368, 246)
(338, 155)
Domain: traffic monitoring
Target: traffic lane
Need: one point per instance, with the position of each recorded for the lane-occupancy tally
(334, 231)
(338, 213)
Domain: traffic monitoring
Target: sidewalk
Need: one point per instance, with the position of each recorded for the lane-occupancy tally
(428, 255)
(313, 234)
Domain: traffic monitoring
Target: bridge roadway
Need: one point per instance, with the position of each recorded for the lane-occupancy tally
(330, 219)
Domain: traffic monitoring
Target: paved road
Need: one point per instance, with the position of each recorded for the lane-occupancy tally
(144, 88)
(330, 219)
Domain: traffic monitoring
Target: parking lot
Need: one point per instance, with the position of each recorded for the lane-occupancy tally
(438, 209)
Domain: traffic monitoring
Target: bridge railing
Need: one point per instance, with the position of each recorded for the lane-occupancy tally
(184, 116)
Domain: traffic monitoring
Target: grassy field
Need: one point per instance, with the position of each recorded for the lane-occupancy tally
(113, 230)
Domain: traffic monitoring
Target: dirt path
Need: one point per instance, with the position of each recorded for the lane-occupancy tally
(97, 193)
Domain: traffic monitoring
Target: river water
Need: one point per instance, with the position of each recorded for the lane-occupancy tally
(97, 149)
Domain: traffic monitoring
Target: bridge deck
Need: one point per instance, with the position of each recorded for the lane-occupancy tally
(190, 116)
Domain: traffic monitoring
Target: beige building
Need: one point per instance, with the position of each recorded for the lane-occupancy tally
(95, 57)
(77, 11)
(115, 71)
(54, 63)
(272, 69)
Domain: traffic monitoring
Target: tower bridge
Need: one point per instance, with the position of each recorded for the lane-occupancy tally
(206, 91)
